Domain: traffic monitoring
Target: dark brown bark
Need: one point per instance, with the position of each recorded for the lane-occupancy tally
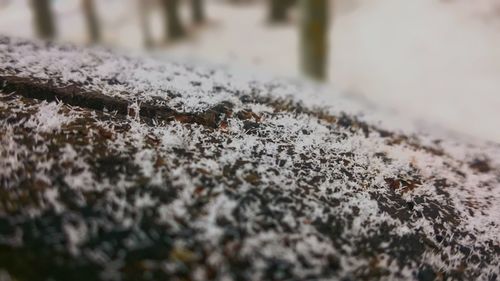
(76, 96)
(314, 38)
(92, 20)
(173, 25)
(43, 19)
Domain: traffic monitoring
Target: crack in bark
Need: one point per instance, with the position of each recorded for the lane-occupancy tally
(76, 96)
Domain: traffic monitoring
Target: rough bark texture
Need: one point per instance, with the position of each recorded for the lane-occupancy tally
(43, 19)
(314, 38)
(92, 20)
(123, 168)
(173, 25)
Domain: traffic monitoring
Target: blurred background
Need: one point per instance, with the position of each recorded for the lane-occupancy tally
(434, 61)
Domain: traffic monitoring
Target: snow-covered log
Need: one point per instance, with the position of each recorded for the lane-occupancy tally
(114, 167)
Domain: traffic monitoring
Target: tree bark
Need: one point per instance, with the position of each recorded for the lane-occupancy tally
(92, 20)
(144, 21)
(314, 38)
(198, 11)
(174, 28)
(278, 11)
(43, 19)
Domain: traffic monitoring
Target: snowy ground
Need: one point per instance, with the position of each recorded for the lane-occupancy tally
(434, 61)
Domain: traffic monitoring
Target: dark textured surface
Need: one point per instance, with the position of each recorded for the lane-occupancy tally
(106, 186)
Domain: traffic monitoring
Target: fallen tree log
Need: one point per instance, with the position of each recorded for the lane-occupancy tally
(122, 168)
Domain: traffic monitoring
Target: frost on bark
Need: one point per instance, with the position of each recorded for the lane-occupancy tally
(149, 170)
(144, 7)
(92, 20)
(198, 11)
(173, 28)
(314, 38)
(43, 19)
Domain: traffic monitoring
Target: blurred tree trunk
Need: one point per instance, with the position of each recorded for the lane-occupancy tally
(314, 38)
(278, 10)
(144, 6)
(92, 20)
(174, 28)
(43, 19)
(198, 11)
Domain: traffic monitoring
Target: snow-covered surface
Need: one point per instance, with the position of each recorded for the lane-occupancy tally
(430, 60)
(247, 179)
